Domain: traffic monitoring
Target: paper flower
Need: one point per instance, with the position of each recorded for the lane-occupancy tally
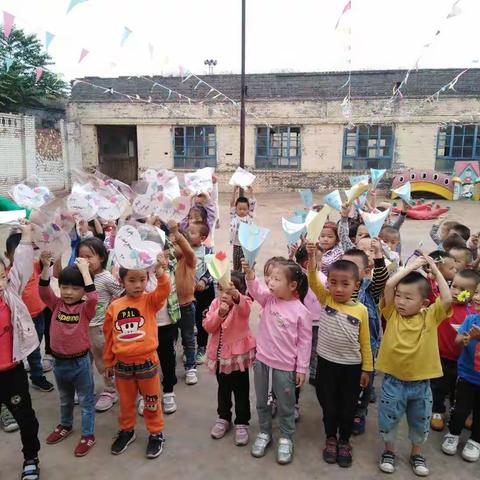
(463, 296)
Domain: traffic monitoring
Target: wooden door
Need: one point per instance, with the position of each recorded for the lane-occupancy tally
(117, 152)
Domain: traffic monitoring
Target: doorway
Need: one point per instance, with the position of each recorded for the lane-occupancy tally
(117, 152)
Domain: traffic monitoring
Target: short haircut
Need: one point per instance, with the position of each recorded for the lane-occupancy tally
(418, 279)
(242, 200)
(439, 255)
(238, 280)
(71, 276)
(96, 246)
(12, 243)
(466, 251)
(356, 252)
(345, 266)
(301, 254)
(470, 274)
(454, 241)
(203, 229)
(389, 230)
(461, 230)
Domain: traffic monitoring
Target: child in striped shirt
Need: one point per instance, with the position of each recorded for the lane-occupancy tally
(344, 353)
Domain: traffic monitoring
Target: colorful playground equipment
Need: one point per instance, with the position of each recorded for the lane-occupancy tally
(430, 181)
(424, 211)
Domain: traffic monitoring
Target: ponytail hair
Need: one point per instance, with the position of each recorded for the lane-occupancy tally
(294, 273)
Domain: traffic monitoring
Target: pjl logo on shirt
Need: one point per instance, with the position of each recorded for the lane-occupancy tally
(128, 323)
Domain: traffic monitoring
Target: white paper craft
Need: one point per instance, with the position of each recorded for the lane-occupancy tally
(242, 178)
(12, 217)
(315, 222)
(50, 237)
(29, 197)
(82, 202)
(199, 181)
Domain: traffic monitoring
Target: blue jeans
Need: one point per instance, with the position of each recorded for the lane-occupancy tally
(76, 375)
(35, 358)
(187, 330)
(398, 398)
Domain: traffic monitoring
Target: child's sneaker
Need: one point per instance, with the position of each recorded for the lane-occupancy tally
(31, 470)
(155, 445)
(437, 423)
(241, 435)
(191, 376)
(168, 403)
(60, 433)
(201, 356)
(9, 424)
(284, 451)
(84, 445)
(450, 444)
(140, 406)
(358, 425)
(387, 462)
(297, 412)
(47, 363)
(471, 451)
(42, 384)
(261, 444)
(344, 455)
(330, 450)
(106, 401)
(419, 465)
(123, 440)
(220, 429)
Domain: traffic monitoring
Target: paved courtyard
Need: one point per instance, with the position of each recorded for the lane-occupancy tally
(190, 452)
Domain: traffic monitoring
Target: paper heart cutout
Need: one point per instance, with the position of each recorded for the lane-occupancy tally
(241, 178)
(50, 237)
(82, 202)
(162, 181)
(28, 197)
(199, 181)
(219, 267)
(64, 219)
(111, 208)
(132, 252)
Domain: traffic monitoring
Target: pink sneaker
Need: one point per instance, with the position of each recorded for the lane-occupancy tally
(241, 435)
(105, 401)
(220, 428)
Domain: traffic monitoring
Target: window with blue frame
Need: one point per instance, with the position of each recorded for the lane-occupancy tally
(368, 146)
(195, 147)
(278, 147)
(457, 142)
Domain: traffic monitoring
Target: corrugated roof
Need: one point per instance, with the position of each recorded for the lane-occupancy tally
(287, 86)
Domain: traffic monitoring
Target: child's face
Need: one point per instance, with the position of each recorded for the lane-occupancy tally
(280, 286)
(460, 284)
(362, 232)
(3, 278)
(476, 298)
(201, 199)
(409, 299)
(268, 272)
(460, 257)
(362, 269)
(365, 245)
(392, 240)
(225, 297)
(71, 294)
(135, 282)
(327, 239)
(194, 216)
(93, 259)
(341, 285)
(194, 236)
(242, 209)
(448, 268)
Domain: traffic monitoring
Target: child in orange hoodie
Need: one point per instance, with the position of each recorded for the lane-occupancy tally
(130, 352)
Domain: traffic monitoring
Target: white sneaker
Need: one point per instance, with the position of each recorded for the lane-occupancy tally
(168, 403)
(47, 363)
(450, 444)
(106, 401)
(140, 406)
(471, 451)
(191, 376)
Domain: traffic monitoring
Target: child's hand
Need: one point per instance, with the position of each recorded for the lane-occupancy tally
(233, 292)
(162, 265)
(345, 211)
(108, 373)
(465, 339)
(365, 379)
(82, 265)
(200, 286)
(474, 333)
(299, 379)
(377, 248)
(417, 263)
(473, 241)
(312, 256)
(432, 266)
(82, 226)
(46, 259)
(249, 272)
(26, 228)
(173, 227)
(214, 178)
(223, 309)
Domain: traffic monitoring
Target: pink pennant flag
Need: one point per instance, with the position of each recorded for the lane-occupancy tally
(346, 8)
(83, 54)
(8, 20)
(38, 74)
(181, 70)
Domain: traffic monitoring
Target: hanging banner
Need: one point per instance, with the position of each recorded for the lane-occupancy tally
(8, 21)
(83, 54)
(73, 4)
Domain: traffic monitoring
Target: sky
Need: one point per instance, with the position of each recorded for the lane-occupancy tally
(282, 35)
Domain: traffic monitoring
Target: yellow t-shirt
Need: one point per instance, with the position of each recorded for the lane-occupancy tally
(343, 331)
(409, 348)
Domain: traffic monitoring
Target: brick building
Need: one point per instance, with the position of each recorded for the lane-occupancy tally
(296, 134)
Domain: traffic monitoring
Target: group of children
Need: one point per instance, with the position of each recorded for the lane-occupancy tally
(337, 310)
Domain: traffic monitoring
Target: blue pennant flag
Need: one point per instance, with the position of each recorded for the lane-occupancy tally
(251, 239)
(307, 198)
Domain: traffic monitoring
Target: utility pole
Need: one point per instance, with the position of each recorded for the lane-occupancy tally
(242, 97)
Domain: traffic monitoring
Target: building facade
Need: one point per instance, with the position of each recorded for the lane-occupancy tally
(298, 134)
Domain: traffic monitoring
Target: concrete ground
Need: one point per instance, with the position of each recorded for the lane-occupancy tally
(191, 453)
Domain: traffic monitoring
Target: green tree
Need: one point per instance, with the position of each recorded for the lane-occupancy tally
(20, 54)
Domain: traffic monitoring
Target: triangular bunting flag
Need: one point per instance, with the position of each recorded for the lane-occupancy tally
(307, 198)
(354, 179)
(8, 63)
(73, 4)
(404, 192)
(251, 238)
(38, 74)
(333, 200)
(374, 222)
(48, 39)
(126, 34)
(293, 230)
(8, 21)
(315, 222)
(376, 175)
(83, 54)
(356, 191)
(219, 267)
(359, 203)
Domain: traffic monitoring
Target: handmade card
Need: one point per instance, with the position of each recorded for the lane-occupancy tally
(251, 238)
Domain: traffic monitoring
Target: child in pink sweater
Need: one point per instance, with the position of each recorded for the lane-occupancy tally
(230, 353)
(283, 351)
